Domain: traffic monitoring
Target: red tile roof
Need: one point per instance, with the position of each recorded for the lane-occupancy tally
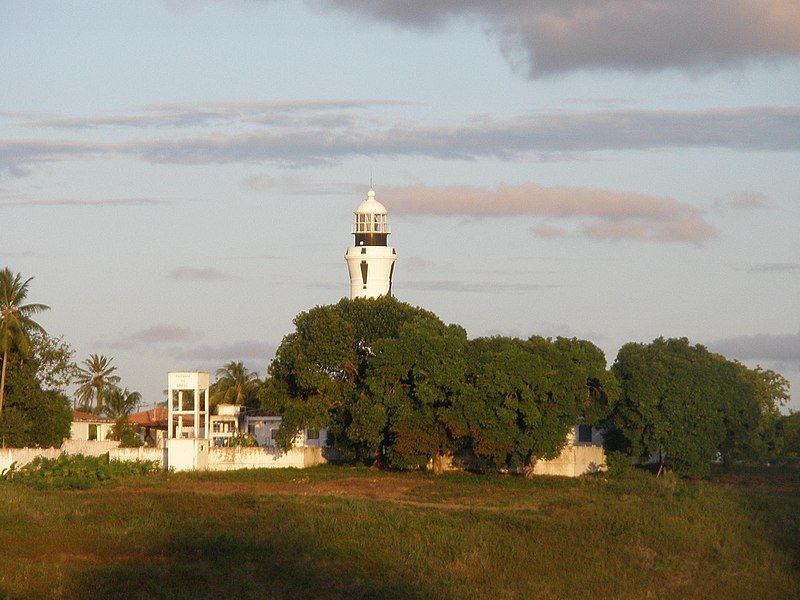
(87, 417)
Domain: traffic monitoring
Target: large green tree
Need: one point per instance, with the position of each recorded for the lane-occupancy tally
(94, 377)
(522, 397)
(33, 416)
(235, 385)
(318, 372)
(408, 384)
(672, 406)
(16, 323)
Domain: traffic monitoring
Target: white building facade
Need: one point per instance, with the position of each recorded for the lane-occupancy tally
(370, 260)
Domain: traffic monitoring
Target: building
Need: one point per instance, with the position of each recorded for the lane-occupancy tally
(370, 260)
(89, 426)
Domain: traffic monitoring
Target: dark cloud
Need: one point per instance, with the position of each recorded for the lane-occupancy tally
(779, 348)
(586, 212)
(16, 156)
(561, 133)
(198, 274)
(554, 36)
(553, 133)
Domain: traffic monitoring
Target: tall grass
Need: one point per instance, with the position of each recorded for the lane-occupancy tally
(358, 533)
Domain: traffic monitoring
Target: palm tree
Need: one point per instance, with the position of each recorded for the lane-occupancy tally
(234, 385)
(93, 378)
(119, 404)
(15, 320)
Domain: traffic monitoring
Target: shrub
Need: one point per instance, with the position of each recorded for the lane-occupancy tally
(618, 463)
(244, 440)
(76, 471)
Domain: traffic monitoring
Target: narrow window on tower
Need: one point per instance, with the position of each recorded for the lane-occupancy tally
(364, 267)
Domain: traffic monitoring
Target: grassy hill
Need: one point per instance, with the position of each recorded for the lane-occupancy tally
(342, 532)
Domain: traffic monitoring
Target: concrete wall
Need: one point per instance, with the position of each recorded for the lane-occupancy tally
(88, 447)
(573, 461)
(228, 459)
(79, 430)
(22, 456)
(158, 455)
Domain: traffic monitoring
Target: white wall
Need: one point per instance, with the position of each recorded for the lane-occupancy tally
(22, 456)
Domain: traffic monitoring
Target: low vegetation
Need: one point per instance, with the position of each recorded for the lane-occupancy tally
(342, 532)
(77, 472)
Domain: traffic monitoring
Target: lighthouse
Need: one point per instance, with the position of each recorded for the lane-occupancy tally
(370, 260)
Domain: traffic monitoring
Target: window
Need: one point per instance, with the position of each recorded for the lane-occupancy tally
(312, 434)
(584, 434)
(92, 431)
(273, 434)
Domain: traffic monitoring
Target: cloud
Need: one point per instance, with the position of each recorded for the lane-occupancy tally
(594, 213)
(780, 348)
(295, 185)
(242, 350)
(744, 201)
(107, 202)
(561, 132)
(197, 274)
(471, 286)
(556, 36)
(545, 135)
(16, 156)
(157, 334)
(283, 112)
(774, 268)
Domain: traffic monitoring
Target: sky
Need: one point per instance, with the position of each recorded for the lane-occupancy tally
(179, 177)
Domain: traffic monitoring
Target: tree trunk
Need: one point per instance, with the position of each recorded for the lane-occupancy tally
(3, 382)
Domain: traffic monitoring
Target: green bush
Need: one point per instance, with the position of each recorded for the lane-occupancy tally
(245, 440)
(619, 464)
(76, 472)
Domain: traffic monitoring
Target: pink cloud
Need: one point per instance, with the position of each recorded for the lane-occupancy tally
(594, 213)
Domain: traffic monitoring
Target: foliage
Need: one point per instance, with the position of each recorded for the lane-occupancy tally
(522, 397)
(33, 416)
(235, 385)
(244, 440)
(343, 532)
(52, 358)
(76, 471)
(618, 463)
(789, 427)
(315, 380)
(119, 403)
(397, 386)
(16, 323)
(126, 433)
(683, 404)
(94, 376)
(670, 406)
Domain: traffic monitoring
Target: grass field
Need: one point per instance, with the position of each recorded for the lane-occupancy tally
(346, 532)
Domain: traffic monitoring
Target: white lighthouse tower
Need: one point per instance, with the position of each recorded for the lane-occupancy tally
(370, 261)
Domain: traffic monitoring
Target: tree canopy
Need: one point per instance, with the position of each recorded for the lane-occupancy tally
(94, 377)
(16, 322)
(395, 384)
(683, 404)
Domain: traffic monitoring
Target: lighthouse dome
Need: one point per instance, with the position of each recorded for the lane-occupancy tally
(370, 206)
